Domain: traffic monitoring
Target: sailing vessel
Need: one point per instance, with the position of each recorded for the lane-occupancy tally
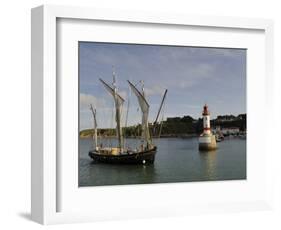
(145, 153)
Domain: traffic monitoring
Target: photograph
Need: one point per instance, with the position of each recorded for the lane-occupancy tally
(153, 113)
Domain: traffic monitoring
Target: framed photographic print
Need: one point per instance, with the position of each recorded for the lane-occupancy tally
(138, 114)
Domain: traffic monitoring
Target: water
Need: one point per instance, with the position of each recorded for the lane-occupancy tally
(177, 160)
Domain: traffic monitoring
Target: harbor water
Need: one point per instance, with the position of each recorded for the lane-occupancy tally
(177, 160)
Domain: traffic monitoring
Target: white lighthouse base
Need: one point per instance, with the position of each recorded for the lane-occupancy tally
(207, 142)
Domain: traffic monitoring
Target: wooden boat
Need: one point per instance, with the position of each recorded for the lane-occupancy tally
(129, 157)
(145, 153)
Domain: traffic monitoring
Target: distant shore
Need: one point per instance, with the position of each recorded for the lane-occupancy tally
(136, 137)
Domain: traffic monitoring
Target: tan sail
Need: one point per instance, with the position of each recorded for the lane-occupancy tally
(145, 110)
(118, 104)
(94, 113)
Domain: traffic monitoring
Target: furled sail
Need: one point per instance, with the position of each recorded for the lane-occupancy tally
(118, 104)
(145, 110)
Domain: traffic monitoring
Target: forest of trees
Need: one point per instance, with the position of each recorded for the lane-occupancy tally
(176, 126)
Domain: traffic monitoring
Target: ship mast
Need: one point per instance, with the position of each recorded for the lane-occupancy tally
(145, 110)
(94, 112)
(118, 104)
(160, 108)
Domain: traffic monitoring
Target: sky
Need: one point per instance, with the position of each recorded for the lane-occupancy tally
(193, 76)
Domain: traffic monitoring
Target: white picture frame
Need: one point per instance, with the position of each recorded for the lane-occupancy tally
(47, 181)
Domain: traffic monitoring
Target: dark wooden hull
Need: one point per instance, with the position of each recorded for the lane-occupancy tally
(145, 157)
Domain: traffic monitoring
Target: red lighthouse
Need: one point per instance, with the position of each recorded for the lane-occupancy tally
(206, 120)
(207, 141)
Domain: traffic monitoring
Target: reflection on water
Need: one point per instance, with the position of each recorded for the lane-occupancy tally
(177, 160)
(209, 164)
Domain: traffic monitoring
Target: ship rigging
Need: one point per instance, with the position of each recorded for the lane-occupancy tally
(145, 153)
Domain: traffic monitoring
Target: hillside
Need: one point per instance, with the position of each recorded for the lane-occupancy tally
(175, 126)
